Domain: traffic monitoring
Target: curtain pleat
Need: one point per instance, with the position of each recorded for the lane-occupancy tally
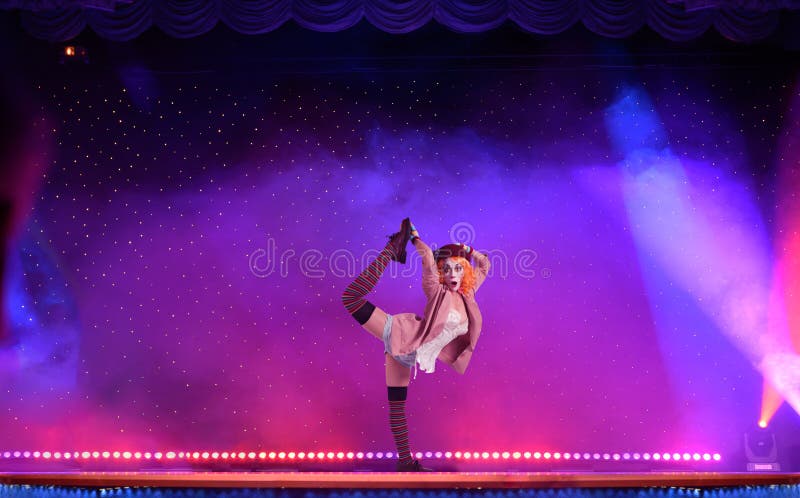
(545, 16)
(614, 18)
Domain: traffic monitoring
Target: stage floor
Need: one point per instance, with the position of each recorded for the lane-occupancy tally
(394, 480)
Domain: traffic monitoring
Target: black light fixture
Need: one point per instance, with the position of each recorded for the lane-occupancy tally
(761, 451)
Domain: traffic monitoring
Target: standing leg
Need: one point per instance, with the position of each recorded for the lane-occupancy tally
(397, 374)
(397, 379)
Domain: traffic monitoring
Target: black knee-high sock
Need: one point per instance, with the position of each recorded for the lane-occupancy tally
(353, 295)
(398, 423)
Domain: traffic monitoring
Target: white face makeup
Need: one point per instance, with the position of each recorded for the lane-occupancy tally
(453, 273)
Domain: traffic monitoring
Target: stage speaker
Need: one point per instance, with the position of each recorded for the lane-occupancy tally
(761, 451)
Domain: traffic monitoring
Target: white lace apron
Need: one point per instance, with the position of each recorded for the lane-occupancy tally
(427, 353)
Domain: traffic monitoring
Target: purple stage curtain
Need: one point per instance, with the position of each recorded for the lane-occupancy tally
(611, 18)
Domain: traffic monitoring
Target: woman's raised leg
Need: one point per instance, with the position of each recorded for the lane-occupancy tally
(353, 296)
(376, 322)
(373, 320)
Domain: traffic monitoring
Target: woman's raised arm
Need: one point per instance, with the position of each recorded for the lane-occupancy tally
(481, 265)
(430, 273)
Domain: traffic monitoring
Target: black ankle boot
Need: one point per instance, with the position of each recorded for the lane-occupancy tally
(399, 240)
(414, 466)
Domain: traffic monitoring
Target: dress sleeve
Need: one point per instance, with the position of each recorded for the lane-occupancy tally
(481, 268)
(430, 273)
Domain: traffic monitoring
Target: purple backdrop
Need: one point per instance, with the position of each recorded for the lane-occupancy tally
(178, 280)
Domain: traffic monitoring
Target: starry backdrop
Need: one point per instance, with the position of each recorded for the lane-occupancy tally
(176, 280)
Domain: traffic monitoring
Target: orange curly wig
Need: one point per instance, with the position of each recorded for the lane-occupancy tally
(467, 282)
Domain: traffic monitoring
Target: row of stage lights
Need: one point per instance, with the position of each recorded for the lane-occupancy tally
(337, 456)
